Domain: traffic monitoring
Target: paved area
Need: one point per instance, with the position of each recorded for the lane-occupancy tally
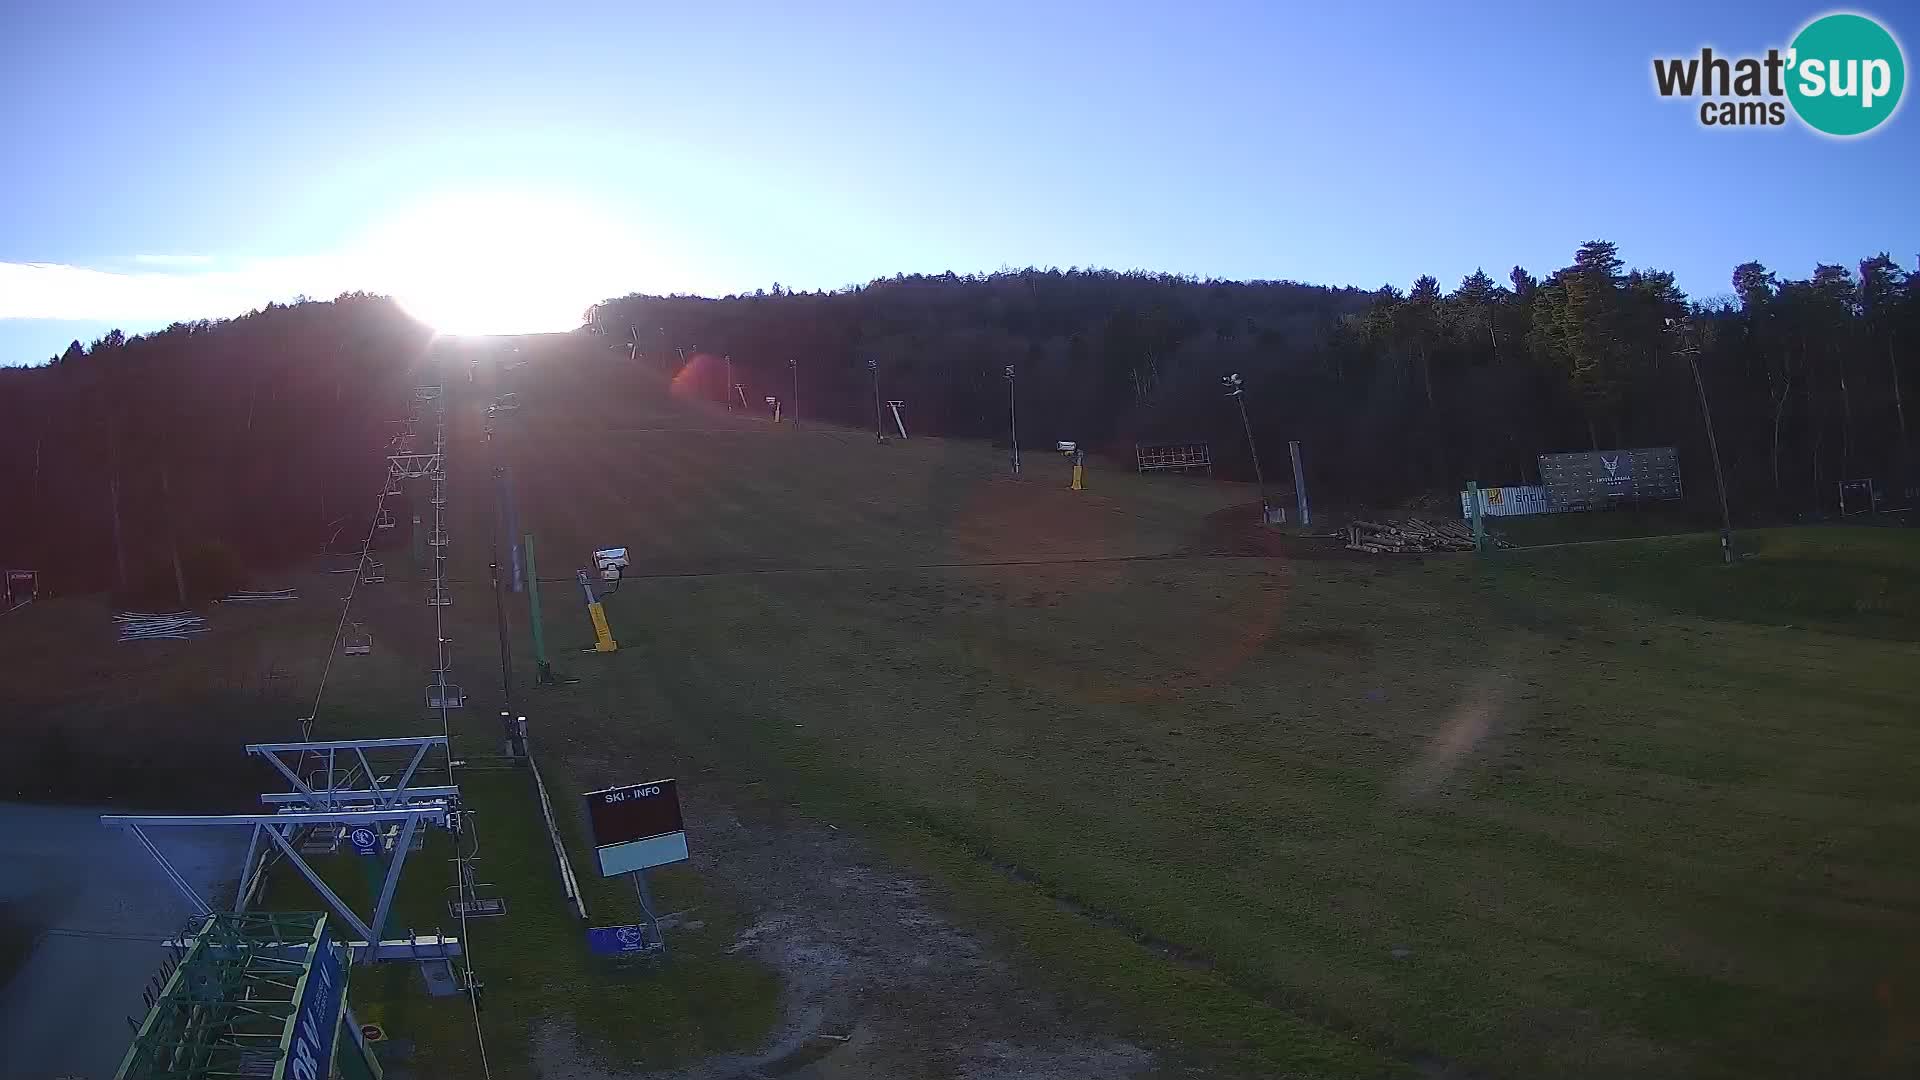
(92, 909)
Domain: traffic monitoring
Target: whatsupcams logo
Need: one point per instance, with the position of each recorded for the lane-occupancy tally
(1842, 75)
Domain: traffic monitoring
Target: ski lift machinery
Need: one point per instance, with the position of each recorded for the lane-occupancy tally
(611, 562)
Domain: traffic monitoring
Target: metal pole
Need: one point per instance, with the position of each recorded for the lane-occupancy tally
(1258, 475)
(1013, 426)
(517, 577)
(726, 392)
(1299, 483)
(500, 625)
(1473, 513)
(543, 670)
(1713, 445)
(493, 574)
(646, 908)
(873, 368)
(793, 403)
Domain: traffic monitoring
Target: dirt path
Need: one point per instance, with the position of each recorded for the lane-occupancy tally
(876, 983)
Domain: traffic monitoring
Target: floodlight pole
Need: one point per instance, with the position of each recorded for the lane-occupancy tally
(1236, 391)
(1691, 351)
(793, 402)
(1013, 427)
(873, 368)
(726, 392)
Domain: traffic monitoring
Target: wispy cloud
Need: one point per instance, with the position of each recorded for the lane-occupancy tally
(183, 290)
(173, 260)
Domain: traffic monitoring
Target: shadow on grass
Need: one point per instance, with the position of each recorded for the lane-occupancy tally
(184, 756)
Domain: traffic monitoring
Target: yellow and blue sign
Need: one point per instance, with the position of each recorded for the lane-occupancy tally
(321, 1000)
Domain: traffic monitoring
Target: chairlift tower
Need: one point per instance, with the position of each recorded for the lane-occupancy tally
(349, 796)
(258, 994)
(417, 466)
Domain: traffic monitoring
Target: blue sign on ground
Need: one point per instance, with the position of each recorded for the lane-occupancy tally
(316, 1017)
(365, 840)
(615, 940)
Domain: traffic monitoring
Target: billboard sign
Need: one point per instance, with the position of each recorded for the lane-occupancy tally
(636, 826)
(18, 588)
(1597, 478)
(320, 1001)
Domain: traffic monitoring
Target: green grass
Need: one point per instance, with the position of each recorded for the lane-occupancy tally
(1589, 811)
(161, 725)
(1598, 811)
(534, 963)
(1862, 581)
(1657, 519)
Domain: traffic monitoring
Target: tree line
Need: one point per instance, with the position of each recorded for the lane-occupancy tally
(230, 443)
(1391, 392)
(248, 439)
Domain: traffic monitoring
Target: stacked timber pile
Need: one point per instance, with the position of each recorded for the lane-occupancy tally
(171, 626)
(245, 595)
(1412, 536)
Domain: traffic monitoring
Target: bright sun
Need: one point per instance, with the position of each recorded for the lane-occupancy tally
(497, 264)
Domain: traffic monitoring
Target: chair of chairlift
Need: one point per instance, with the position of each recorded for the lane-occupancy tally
(358, 641)
(478, 905)
(446, 695)
(383, 520)
(437, 597)
(373, 573)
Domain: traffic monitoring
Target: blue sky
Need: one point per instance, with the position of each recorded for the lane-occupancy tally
(186, 160)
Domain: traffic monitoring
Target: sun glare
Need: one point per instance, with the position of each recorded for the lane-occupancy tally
(497, 264)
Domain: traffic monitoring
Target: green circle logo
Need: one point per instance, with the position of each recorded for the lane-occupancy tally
(1845, 74)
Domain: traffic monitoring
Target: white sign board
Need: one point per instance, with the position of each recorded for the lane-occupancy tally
(1517, 501)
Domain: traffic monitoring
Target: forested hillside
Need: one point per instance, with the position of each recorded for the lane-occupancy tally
(242, 439)
(1392, 392)
(252, 435)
